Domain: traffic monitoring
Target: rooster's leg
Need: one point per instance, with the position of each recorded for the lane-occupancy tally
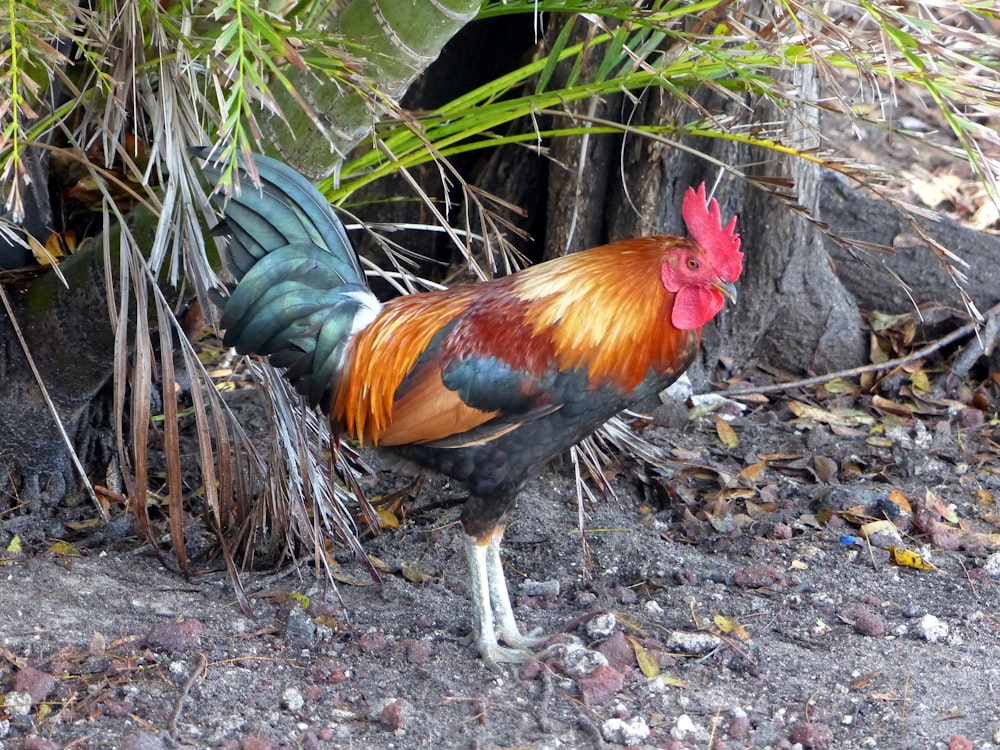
(506, 628)
(489, 591)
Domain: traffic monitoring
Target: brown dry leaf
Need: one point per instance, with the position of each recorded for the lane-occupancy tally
(900, 499)
(731, 627)
(890, 696)
(726, 433)
(671, 681)
(825, 468)
(825, 416)
(349, 580)
(884, 527)
(934, 189)
(753, 471)
(865, 680)
(380, 564)
(888, 406)
(934, 502)
(415, 575)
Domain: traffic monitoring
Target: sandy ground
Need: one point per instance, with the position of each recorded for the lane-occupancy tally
(727, 601)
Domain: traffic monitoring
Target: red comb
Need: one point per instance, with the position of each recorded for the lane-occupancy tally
(704, 224)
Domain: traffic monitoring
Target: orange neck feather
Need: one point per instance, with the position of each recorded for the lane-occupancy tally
(608, 311)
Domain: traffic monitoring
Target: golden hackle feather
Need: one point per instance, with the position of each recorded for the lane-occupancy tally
(607, 310)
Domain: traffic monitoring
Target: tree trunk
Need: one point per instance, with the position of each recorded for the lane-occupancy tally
(69, 336)
(793, 313)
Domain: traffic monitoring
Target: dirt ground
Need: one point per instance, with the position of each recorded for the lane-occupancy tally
(726, 601)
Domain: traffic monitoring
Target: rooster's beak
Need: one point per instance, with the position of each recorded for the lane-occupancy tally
(727, 288)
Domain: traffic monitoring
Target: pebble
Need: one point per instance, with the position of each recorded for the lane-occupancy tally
(685, 729)
(812, 735)
(292, 699)
(869, 624)
(17, 702)
(758, 576)
(175, 636)
(739, 727)
(548, 588)
(992, 565)
(393, 716)
(300, 630)
(579, 662)
(628, 732)
(601, 686)
(931, 629)
(697, 642)
(958, 742)
(618, 651)
(256, 741)
(35, 682)
(602, 626)
(418, 651)
(142, 741)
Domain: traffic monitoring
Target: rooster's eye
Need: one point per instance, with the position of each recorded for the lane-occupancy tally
(692, 264)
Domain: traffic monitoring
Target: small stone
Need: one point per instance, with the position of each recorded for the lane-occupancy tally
(941, 535)
(530, 671)
(142, 741)
(393, 716)
(300, 629)
(601, 686)
(618, 652)
(739, 727)
(812, 735)
(685, 729)
(627, 732)
(692, 642)
(992, 565)
(36, 683)
(931, 629)
(256, 741)
(958, 742)
(548, 588)
(34, 742)
(292, 699)
(581, 662)
(373, 643)
(869, 624)
(758, 576)
(17, 703)
(625, 595)
(176, 636)
(418, 652)
(602, 626)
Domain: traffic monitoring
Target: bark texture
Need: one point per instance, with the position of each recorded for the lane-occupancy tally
(877, 278)
(69, 335)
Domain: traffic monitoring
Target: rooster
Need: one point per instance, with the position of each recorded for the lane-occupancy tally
(486, 382)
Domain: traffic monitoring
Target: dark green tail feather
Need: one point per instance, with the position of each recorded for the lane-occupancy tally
(301, 293)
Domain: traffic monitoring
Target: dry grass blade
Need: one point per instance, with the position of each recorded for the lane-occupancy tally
(171, 440)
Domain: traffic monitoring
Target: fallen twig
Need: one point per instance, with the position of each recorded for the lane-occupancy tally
(175, 715)
(991, 315)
